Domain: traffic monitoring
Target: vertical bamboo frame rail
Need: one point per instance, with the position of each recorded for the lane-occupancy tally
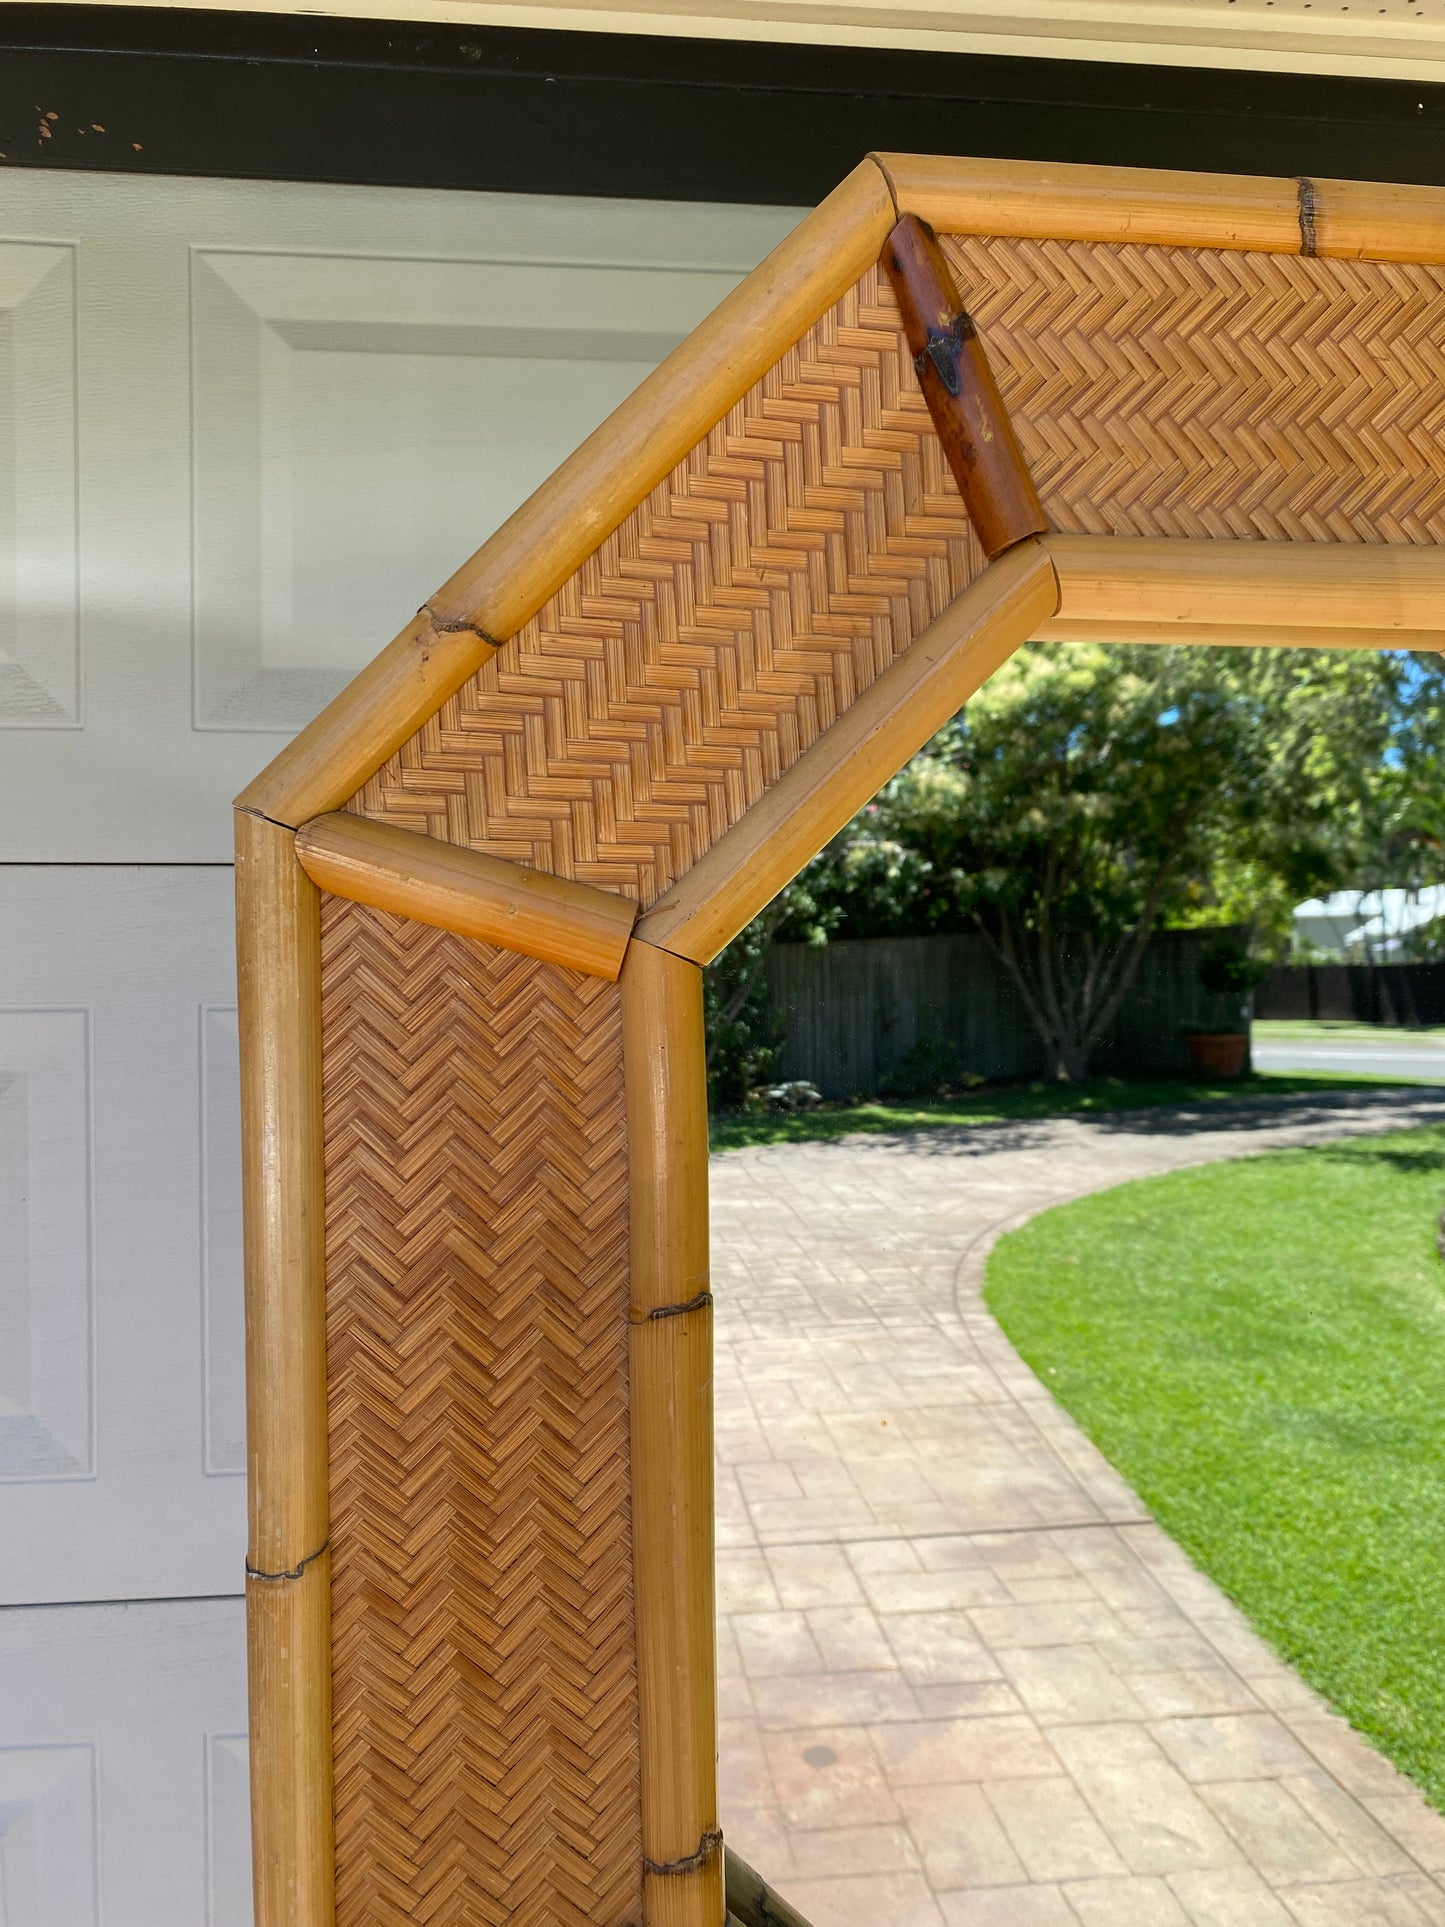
(672, 1469)
(288, 1576)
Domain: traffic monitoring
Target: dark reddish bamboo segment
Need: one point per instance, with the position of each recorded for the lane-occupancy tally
(960, 390)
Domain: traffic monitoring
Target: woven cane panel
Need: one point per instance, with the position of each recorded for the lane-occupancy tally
(809, 538)
(738, 611)
(1181, 391)
(483, 1638)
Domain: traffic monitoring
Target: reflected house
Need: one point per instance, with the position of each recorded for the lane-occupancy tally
(1364, 926)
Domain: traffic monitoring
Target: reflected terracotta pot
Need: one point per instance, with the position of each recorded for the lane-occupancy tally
(1221, 1053)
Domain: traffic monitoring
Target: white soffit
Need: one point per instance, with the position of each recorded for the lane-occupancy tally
(1382, 39)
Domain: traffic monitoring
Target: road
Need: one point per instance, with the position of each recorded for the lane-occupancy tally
(1387, 1059)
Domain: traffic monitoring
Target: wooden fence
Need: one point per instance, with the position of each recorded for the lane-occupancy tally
(911, 1013)
(1394, 994)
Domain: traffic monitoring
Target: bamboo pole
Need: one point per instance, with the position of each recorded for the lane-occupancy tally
(1046, 201)
(870, 742)
(672, 1445)
(963, 398)
(552, 534)
(453, 888)
(1240, 636)
(1049, 201)
(288, 1600)
(1180, 587)
(1378, 221)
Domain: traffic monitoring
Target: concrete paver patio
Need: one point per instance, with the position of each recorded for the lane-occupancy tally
(964, 1678)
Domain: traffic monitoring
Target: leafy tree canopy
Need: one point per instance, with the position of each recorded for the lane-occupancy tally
(1090, 793)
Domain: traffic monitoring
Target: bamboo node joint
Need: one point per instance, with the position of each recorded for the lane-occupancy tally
(254, 1572)
(455, 626)
(702, 1300)
(1308, 209)
(707, 1846)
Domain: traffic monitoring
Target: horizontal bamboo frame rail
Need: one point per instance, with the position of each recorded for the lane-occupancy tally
(1242, 636)
(288, 1581)
(851, 761)
(1049, 201)
(454, 888)
(1166, 589)
(672, 1469)
(536, 549)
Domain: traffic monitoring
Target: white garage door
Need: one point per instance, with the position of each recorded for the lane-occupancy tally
(245, 429)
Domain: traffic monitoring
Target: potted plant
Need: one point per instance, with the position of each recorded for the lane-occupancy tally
(1225, 970)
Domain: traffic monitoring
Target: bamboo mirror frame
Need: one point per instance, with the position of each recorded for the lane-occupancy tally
(475, 897)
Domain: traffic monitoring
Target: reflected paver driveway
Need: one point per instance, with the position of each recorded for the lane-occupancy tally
(964, 1678)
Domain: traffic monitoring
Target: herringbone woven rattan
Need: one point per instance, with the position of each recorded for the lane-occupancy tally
(485, 1688)
(742, 607)
(1157, 391)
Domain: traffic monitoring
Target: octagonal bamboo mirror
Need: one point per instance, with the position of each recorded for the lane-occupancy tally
(965, 404)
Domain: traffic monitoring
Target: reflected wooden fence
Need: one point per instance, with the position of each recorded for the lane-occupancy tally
(910, 1013)
(1394, 994)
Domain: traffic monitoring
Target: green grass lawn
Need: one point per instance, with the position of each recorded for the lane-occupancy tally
(997, 1105)
(1259, 1347)
(1302, 1030)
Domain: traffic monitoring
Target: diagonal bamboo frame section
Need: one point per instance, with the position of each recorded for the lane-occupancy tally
(296, 840)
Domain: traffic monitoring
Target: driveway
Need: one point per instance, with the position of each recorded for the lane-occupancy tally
(964, 1678)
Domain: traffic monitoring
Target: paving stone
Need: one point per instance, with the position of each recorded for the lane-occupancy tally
(1068, 1683)
(1236, 1898)
(902, 1900)
(1052, 1830)
(959, 1837)
(1187, 1692)
(938, 1648)
(1136, 1901)
(1049, 1625)
(920, 1591)
(1155, 1819)
(1354, 1903)
(844, 1851)
(1335, 1813)
(829, 1776)
(775, 1643)
(1274, 1830)
(1341, 1751)
(1417, 1827)
(831, 1699)
(744, 1583)
(965, 1698)
(1231, 1746)
(1008, 1907)
(941, 1752)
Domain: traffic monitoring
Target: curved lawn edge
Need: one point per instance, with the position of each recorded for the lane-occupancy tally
(1258, 1347)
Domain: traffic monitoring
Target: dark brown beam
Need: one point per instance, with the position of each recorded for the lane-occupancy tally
(960, 390)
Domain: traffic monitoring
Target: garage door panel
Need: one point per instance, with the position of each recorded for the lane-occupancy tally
(123, 1766)
(121, 1376)
(255, 425)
